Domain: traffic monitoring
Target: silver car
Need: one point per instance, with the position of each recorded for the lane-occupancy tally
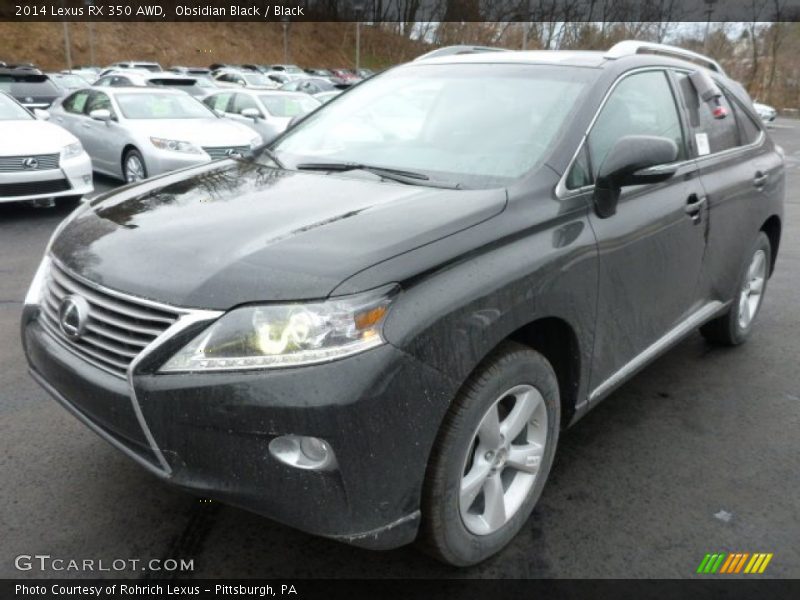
(133, 133)
(186, 83)
(231, 78)
(268, 113)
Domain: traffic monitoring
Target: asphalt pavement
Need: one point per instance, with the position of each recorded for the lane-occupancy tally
(698, 453)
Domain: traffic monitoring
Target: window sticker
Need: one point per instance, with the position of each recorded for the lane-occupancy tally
(702, 144)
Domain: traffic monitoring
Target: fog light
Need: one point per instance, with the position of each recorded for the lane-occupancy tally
(303, 452)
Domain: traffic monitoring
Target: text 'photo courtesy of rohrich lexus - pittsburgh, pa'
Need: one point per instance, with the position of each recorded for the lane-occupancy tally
(374, 327)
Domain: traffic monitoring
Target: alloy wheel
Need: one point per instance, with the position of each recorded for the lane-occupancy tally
(134, 169)
(503, 460)
(753, 289)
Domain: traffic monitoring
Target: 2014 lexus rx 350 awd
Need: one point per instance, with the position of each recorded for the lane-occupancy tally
(375, 328)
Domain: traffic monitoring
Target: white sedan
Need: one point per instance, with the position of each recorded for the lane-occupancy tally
(134, 133)
(39, 161)
(766, 112)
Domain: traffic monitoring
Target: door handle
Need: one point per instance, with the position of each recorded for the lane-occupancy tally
(694, 205)
(760, 179)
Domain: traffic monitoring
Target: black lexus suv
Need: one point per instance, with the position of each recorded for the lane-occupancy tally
(375, 328)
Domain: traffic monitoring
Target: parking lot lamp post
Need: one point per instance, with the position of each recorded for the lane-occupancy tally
(358, 7)
(91, 35)
(66, 41)
(285, 23)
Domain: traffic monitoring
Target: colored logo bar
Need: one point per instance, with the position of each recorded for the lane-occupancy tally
(734, 563)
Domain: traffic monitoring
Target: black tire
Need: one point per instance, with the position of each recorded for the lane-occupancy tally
(444, 534)
(133, 152)
(727, 330)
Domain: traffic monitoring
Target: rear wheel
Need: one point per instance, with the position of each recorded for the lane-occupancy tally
(133, 167)
(492, 457)
(734, 327)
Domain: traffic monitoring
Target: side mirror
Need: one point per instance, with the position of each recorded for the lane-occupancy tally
(242, 82)
(219, 112)
(632, 160)
(40, 114)
(101, 114)
(251, 113)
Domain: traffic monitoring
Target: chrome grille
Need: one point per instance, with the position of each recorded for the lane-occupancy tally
(43, 162)
(118, 327)
(216, 152)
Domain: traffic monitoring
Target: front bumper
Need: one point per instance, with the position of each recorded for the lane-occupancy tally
(76, 172)
(163, 161)
(379, 411)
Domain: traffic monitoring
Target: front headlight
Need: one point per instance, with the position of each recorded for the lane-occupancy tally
(256, 142)
(71, 151)
(284, 335)
(175, 145)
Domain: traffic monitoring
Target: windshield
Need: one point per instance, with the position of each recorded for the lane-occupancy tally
(162, 106)
(288, 106)
(480, 125)
(256, 79)
(11, 111)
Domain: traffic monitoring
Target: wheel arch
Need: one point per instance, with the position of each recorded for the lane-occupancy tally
(556, 340)
(772, 229)
(127, 148)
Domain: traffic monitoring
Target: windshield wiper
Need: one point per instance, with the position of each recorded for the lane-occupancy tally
(251, 156)
(399, 175)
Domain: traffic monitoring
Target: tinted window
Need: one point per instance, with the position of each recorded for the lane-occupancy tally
(76, 102)
(710, 134)
(21, 86)
(641, 104)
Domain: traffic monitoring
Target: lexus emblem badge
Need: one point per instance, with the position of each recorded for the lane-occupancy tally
(30, 163)
(73, 314)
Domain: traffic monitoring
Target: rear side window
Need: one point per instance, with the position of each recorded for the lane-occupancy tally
(641, 104)
(710, 135)
(748, 128)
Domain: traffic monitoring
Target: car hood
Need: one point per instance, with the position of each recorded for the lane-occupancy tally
(235, 232)
(18, 138)
(202, 132)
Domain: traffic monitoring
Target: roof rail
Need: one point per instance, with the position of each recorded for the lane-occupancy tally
(630, 47)
(461, 49)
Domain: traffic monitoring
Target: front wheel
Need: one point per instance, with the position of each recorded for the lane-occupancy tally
(492, 457)
(734, 327)
(133, 167)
